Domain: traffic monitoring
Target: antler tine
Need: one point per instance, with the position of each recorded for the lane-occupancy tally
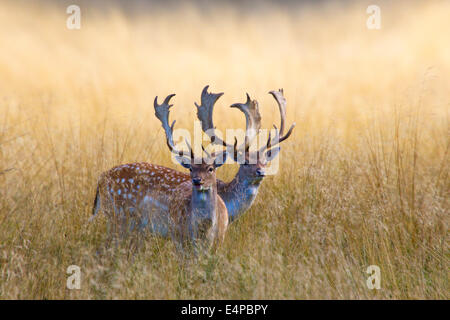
(205, 115)
(252, 119)
(162, 113)
(287, 134)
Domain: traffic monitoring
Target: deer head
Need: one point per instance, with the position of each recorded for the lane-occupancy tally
(202, 170)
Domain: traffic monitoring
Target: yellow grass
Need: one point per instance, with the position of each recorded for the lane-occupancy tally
(363, 181)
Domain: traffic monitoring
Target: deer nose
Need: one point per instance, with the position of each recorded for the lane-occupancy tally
(197, 181)
(260, 172)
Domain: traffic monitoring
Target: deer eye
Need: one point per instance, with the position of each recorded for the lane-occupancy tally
(210, 170)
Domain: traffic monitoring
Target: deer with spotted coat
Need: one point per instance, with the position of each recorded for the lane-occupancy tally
(143, 196)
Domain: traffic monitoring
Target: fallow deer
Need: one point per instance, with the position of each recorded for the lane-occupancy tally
(147, 196)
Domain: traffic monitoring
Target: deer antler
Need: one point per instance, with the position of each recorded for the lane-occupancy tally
(252, 120)
(205, 115)
(249, 108)
(281, 101)
(162, 113)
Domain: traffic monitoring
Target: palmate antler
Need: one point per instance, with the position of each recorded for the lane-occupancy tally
(252, 117)
(252, 120)
(281, 101)
(162, 113)
(250, 110)
(205, 114)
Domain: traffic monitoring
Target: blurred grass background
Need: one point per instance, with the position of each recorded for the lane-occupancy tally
(364, 179)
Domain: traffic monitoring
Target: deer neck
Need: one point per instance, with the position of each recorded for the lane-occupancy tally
(239, 194)
(204, 204)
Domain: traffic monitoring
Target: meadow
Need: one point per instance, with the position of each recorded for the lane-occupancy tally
(364, 180)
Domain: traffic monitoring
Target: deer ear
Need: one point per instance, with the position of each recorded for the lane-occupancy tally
(272, 153)
(185, 162)
(220, 159)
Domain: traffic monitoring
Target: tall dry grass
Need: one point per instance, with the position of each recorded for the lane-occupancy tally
(364, 179)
